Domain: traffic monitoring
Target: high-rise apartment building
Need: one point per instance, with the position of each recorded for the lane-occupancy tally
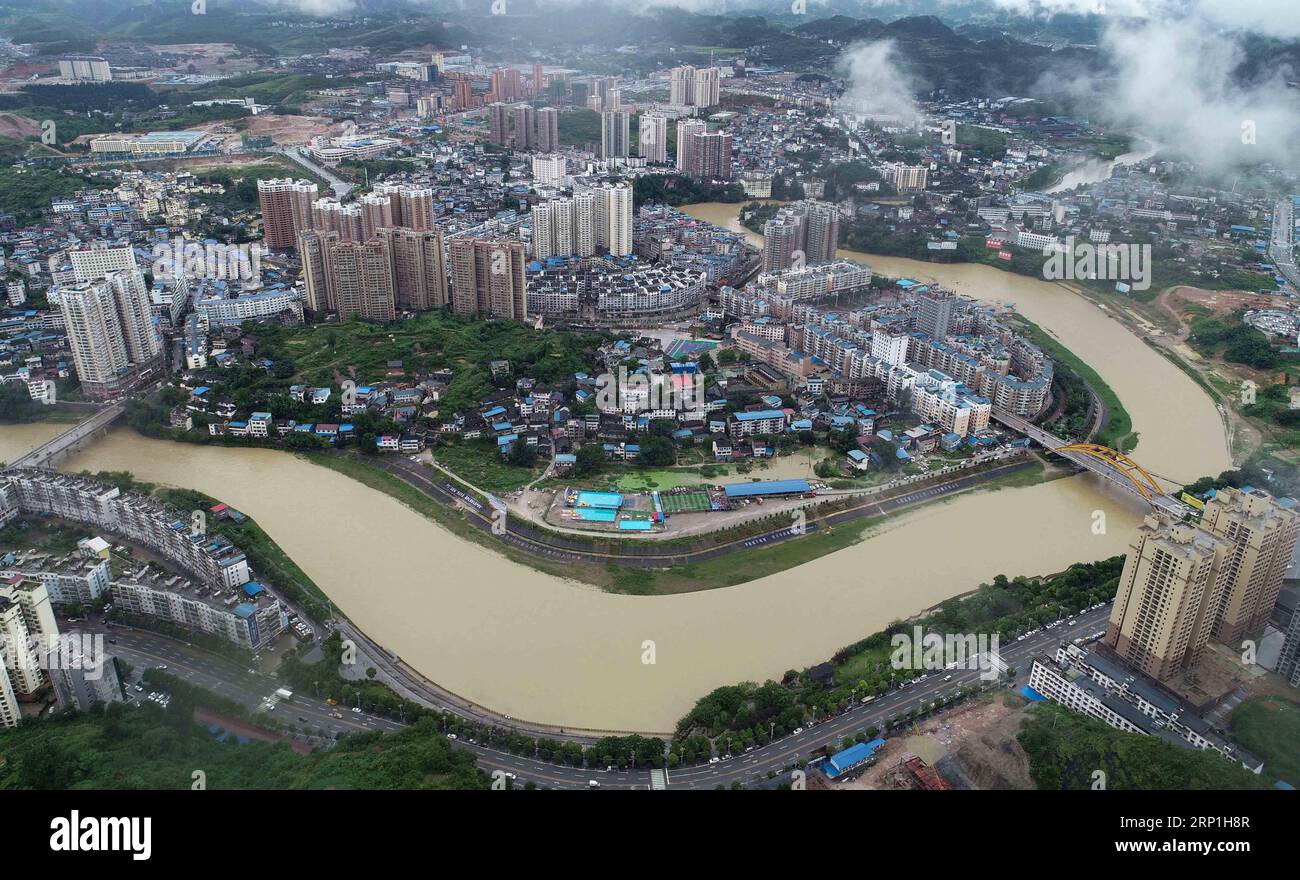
(584, 224)
(549, 170)
(1288, 663)
(85, 68)
(376, 213)
(783, 238)
(362, 280)
(548, 130)
(695, 87)
(94, 261)
(681, 86)
(313, 247)
(111, 332)
(524, 124)
(615, 133)
(286, 210)
(702, 153)
(685, 128)
(487, 277)
(418, 268)
(934, 313)
(27, 631)
(329, 215)
(708, 87)
(821, 232)
(507, 84)
(1162, 617)
(614, 218)
(498, 115)
(801, 234)
(1261, 535)
(409, 206)
(908, 178)
(1183, 584)
(653, 142)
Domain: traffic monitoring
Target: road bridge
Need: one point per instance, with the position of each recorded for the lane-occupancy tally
(54, 450)
(1115, 468)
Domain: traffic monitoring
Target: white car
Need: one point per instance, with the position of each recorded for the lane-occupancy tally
(798, 730)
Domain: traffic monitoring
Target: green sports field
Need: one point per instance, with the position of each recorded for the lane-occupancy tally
(685, 502)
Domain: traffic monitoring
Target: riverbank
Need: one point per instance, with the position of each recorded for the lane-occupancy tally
(688, 563)
(1117, 429)
(553, 651)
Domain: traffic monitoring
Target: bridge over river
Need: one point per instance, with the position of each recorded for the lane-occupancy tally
(54, 450)
(1116, 468)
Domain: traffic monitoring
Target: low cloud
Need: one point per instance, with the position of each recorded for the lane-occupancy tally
(1173, 82)
(318, 8)
(877, 85)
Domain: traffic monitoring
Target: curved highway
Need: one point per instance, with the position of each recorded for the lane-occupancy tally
(142, 648)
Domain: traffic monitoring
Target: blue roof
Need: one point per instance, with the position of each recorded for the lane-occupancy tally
(766, 487)
(851, 757)
(253, 588)
(759, 414)
(611, 500)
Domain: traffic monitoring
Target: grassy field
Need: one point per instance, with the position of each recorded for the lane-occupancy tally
(479, 463)
(1270, 727)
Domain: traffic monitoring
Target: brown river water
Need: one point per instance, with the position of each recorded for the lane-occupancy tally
(550, 650)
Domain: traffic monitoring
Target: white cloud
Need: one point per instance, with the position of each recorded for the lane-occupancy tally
(876, 84)
(1173, 81)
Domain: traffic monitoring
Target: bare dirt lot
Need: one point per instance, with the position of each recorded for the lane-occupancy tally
(1221, 302)
(212, 59)
(290, 130)
(18, 127)
(971, 746)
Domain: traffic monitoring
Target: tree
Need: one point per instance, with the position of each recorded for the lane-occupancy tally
(521, 454)
(15, 403)
(590, 459)
(657, 451)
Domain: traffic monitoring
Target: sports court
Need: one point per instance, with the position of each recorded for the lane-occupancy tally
(691, 348)
(694, 501)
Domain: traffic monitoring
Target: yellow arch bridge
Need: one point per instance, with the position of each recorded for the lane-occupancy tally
(1143, 482)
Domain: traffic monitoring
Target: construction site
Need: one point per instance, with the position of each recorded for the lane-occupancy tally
(972, 746)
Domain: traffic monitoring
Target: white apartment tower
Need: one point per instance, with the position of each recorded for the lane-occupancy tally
(111, 331)
(654, 138)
